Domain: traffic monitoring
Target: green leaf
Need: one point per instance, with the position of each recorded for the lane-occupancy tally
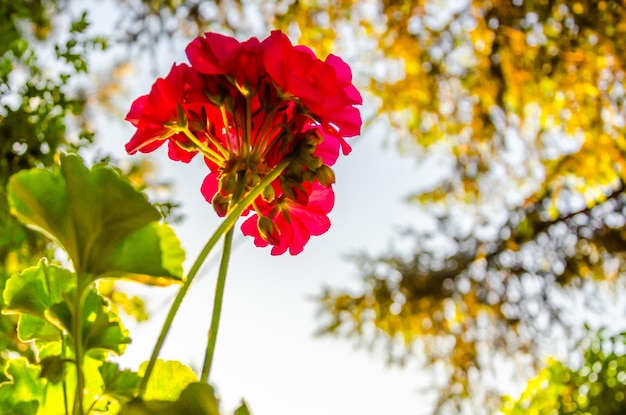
(145, 255)
(102, 328)
(242, 410)
(119, 384)
(197, 399)
(35, 291)
(30, 327)
(53, 368)
(24, 393)
(46, 293)
(168, 379)
(90, 213)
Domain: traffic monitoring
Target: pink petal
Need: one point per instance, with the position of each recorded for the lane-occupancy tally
(176, 153)
(209, 187)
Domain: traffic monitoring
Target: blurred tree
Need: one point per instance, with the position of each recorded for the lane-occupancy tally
(522, 101)
(35, 109)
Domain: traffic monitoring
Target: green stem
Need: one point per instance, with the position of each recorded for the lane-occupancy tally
(228, 223)
(206, 151)
(217, 306)
(93, 405)
(221, 282)
(64, 384)
(77, 329)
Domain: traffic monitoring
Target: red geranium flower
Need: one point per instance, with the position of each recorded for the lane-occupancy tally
(215, 54)
(324, 87)
(294, 223)
(247, 107)
(157, 117)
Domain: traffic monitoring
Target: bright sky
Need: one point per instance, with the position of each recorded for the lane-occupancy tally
(266, 351)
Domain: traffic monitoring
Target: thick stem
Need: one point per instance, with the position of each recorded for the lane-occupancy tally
(227, 224)
(77, 333)
(217, 306)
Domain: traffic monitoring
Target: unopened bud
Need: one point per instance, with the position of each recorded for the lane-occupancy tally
(266, 227)
(199, 122)
(307, 147)
(308, 176)
(252, 178)
(294, 170)
(325, 175)
(315, 136)
(227, 184)
(268, 193)
(287, 189)
(313, 162)
(220, 204)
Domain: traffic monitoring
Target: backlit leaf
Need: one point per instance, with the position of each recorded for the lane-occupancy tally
(44, 296)
(102, 328)
(35, 290)
(25, 391)
(242, 410)
(197, 399)
(150, 255)
(168, 379)
(119, 384)
(90, 213)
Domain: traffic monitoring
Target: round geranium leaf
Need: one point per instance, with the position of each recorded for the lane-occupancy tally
(91, 213)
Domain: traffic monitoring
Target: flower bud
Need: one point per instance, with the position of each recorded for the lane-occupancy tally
(313, 162)
(315, 137)
(220, 204)
(227, 184)
(325, 175)
(308, 176)
(199, 122)
(268, 193)
(287, 189)
(252, 178)
(266, 227)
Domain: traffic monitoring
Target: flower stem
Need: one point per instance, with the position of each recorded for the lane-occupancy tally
(221, 282)
(217, 306)
(227, 224)
(77, 329)
(64, 383)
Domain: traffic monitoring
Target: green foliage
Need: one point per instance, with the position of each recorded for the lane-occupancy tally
(37, 104)
(104, 224)
(196, 398)
(597, 387)
(119, 384)
(109, 229)
(168, 380)
(46, 295)
(25, 393)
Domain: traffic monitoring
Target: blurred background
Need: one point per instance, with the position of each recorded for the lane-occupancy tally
(475, 264)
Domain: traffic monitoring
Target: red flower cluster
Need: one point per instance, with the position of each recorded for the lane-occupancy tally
(248, 107)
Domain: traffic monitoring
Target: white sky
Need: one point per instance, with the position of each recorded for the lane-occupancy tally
(266, 352)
